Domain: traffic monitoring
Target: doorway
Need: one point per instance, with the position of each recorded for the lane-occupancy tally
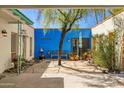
(14, 45)
(76, 50)
(24, 46)
(75, 46)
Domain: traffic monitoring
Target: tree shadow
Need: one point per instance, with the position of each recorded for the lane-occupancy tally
(38, 68)
(90, 75)
(95, 85)
(81, 71)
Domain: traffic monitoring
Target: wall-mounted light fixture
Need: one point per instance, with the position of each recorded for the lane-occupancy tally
(4, 33)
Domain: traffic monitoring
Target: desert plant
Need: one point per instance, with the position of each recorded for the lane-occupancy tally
(104, 54)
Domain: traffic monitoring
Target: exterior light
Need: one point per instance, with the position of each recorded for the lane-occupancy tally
(4, 33)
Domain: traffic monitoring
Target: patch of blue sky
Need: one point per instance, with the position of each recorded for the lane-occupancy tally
(87, 22)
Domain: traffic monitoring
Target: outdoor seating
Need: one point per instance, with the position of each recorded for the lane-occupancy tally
(56, 52)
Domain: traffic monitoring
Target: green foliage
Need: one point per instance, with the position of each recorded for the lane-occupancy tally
(104, 53)
(67, 17)
(115, 11)
(62, 17)
(97, 58)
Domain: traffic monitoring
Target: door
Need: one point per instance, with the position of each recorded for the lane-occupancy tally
(14, 45)
(30, 46)
(85, 44)
(24, 47)
(75, 46)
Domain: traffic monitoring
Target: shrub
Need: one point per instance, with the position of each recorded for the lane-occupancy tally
(104, 53)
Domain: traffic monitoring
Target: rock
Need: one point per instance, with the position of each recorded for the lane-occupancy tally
(2, 76)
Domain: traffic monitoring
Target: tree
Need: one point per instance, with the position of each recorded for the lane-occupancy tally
(67, 19)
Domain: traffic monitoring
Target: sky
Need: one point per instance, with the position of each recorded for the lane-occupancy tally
(32, 14)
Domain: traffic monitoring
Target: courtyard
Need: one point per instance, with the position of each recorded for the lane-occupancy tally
(72, 74)
(73, 52)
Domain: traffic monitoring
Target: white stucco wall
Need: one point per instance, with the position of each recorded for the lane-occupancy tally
(106, 26)
(5, 46)
(30, 33)
(5, 42)
(109, 26)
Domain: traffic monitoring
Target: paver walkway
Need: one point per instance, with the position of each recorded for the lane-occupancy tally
(72, 74)
(31, 78)
(77, 74)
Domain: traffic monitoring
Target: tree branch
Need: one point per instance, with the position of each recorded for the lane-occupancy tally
(69, 13)
(61, 13)
(62, 20)
(65, 22)
(96, 17)
(73, 21)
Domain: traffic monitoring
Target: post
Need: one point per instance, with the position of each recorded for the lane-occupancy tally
(18, 71)
(19, 48)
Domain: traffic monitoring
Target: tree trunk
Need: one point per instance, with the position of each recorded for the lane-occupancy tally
(60, 47)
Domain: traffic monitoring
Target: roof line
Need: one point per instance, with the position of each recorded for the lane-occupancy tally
(108, 18)
(60, 28)
(22, 16)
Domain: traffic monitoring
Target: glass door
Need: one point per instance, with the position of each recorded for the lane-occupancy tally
(75, 46)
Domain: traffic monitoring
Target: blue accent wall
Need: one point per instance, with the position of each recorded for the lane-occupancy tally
(50, 40)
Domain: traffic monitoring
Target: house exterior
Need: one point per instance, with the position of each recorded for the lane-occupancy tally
(108, 26)
(49, 41)
(11, 22)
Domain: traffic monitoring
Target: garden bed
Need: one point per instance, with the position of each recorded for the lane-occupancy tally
(24, 66)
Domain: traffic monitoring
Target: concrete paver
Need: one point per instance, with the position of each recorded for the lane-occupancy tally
(29, 80)
(77, 74)
(72, 74)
